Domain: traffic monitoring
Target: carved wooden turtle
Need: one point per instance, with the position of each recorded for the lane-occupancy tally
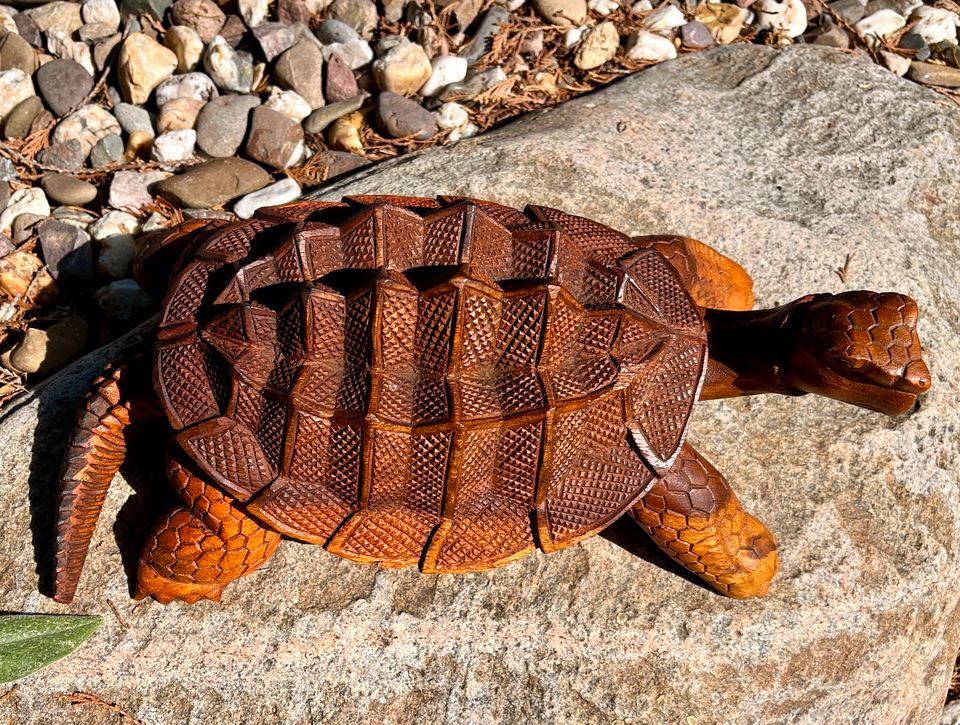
(453, 383)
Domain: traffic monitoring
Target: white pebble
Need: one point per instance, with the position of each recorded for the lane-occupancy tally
(788, 17)
(935, 25)
(112, 223)
(101, 11)
(447, 69)
(7, 23)
(155, 222)
(572, 36)
(664, 19)
(451, 115)
(24, 201)
(603, 7)
(466, 131)
(643, 45)
(282, 192)
(196, 85)
(515, 4)
(15, 86)
(355, 52)
(116, 254)
(252, 11)
(174, 145)
(880, 24)
(289, 103)
(643, 6)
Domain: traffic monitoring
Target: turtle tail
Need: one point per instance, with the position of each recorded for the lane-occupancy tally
(93, 457)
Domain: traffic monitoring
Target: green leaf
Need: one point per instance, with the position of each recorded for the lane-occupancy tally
(31, 641)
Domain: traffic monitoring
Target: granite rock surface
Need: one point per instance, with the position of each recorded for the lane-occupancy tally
(788, 161)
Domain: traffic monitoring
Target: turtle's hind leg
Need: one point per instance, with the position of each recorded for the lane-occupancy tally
(195, 550)
(695, 518)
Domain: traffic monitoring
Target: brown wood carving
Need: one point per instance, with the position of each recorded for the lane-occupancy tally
(452, 383)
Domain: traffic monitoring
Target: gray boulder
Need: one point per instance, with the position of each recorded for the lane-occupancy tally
(786, 160)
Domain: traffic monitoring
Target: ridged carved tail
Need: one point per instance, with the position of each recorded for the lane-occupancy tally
(93, 457)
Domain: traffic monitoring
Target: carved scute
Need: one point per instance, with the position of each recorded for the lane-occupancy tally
(183, 379)
(321, 250)
(230, 453)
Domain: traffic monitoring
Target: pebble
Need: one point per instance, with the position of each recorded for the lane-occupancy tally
(340, 84)
(830, 34)
(274, 139)
(355, 52)
(850, 11)
(644, 46)
(222, 124)
(602, 7)
(20, 119)
(131, 191)
(301, 70)
(42, 352)
(133, 118)
(66, 250)
(17, 272)
(253, 12)
(880, 24)
(178, 114)
(403, 69)
(16, 53)
(317, 121)
(335, 31)
(447, 69)
(897, 64)
(61, 46)
(59, 16)
(114, 222)
(7, 171)
(451, 115)
(154, 223)
(92, 32)
(344, 133)
(65, 189)
(288, 103)
(490, 26)
(598, 46)
(7, 22)
(103, 50)
(230, 70)
(23, 201)
(664, 19)
(562, 12)
(696, 36)
(123, 300)
(273, 39)
(361, 15)
(233, 30)
(532, 43)
(724, 21)
(204, 16)
(186, 44)
(88, 124)
(27, 29)
(25, 226)
(935, 25)
(400, 117)
(214, 182)
(198, 86)
(174, 146)
(15, 86)
(101, 12)
(63, 84)
(75, 216)
(934, 74)
(788, 18)
(67, 155)
(282, 192)
(116, 255)
(914, 43)
(142, 65)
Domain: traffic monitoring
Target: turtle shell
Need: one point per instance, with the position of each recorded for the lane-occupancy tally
(448, 382)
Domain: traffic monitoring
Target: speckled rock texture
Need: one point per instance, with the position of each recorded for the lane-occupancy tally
(786, 160)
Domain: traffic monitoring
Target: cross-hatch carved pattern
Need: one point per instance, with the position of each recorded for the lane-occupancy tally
(366, 401)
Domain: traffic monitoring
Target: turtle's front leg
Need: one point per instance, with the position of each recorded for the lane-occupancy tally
(695, 518)
(194, 551)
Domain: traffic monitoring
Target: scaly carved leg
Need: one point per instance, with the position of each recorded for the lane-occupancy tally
(713, 279)
(93, 457)
(193, 552)
(695, 518)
